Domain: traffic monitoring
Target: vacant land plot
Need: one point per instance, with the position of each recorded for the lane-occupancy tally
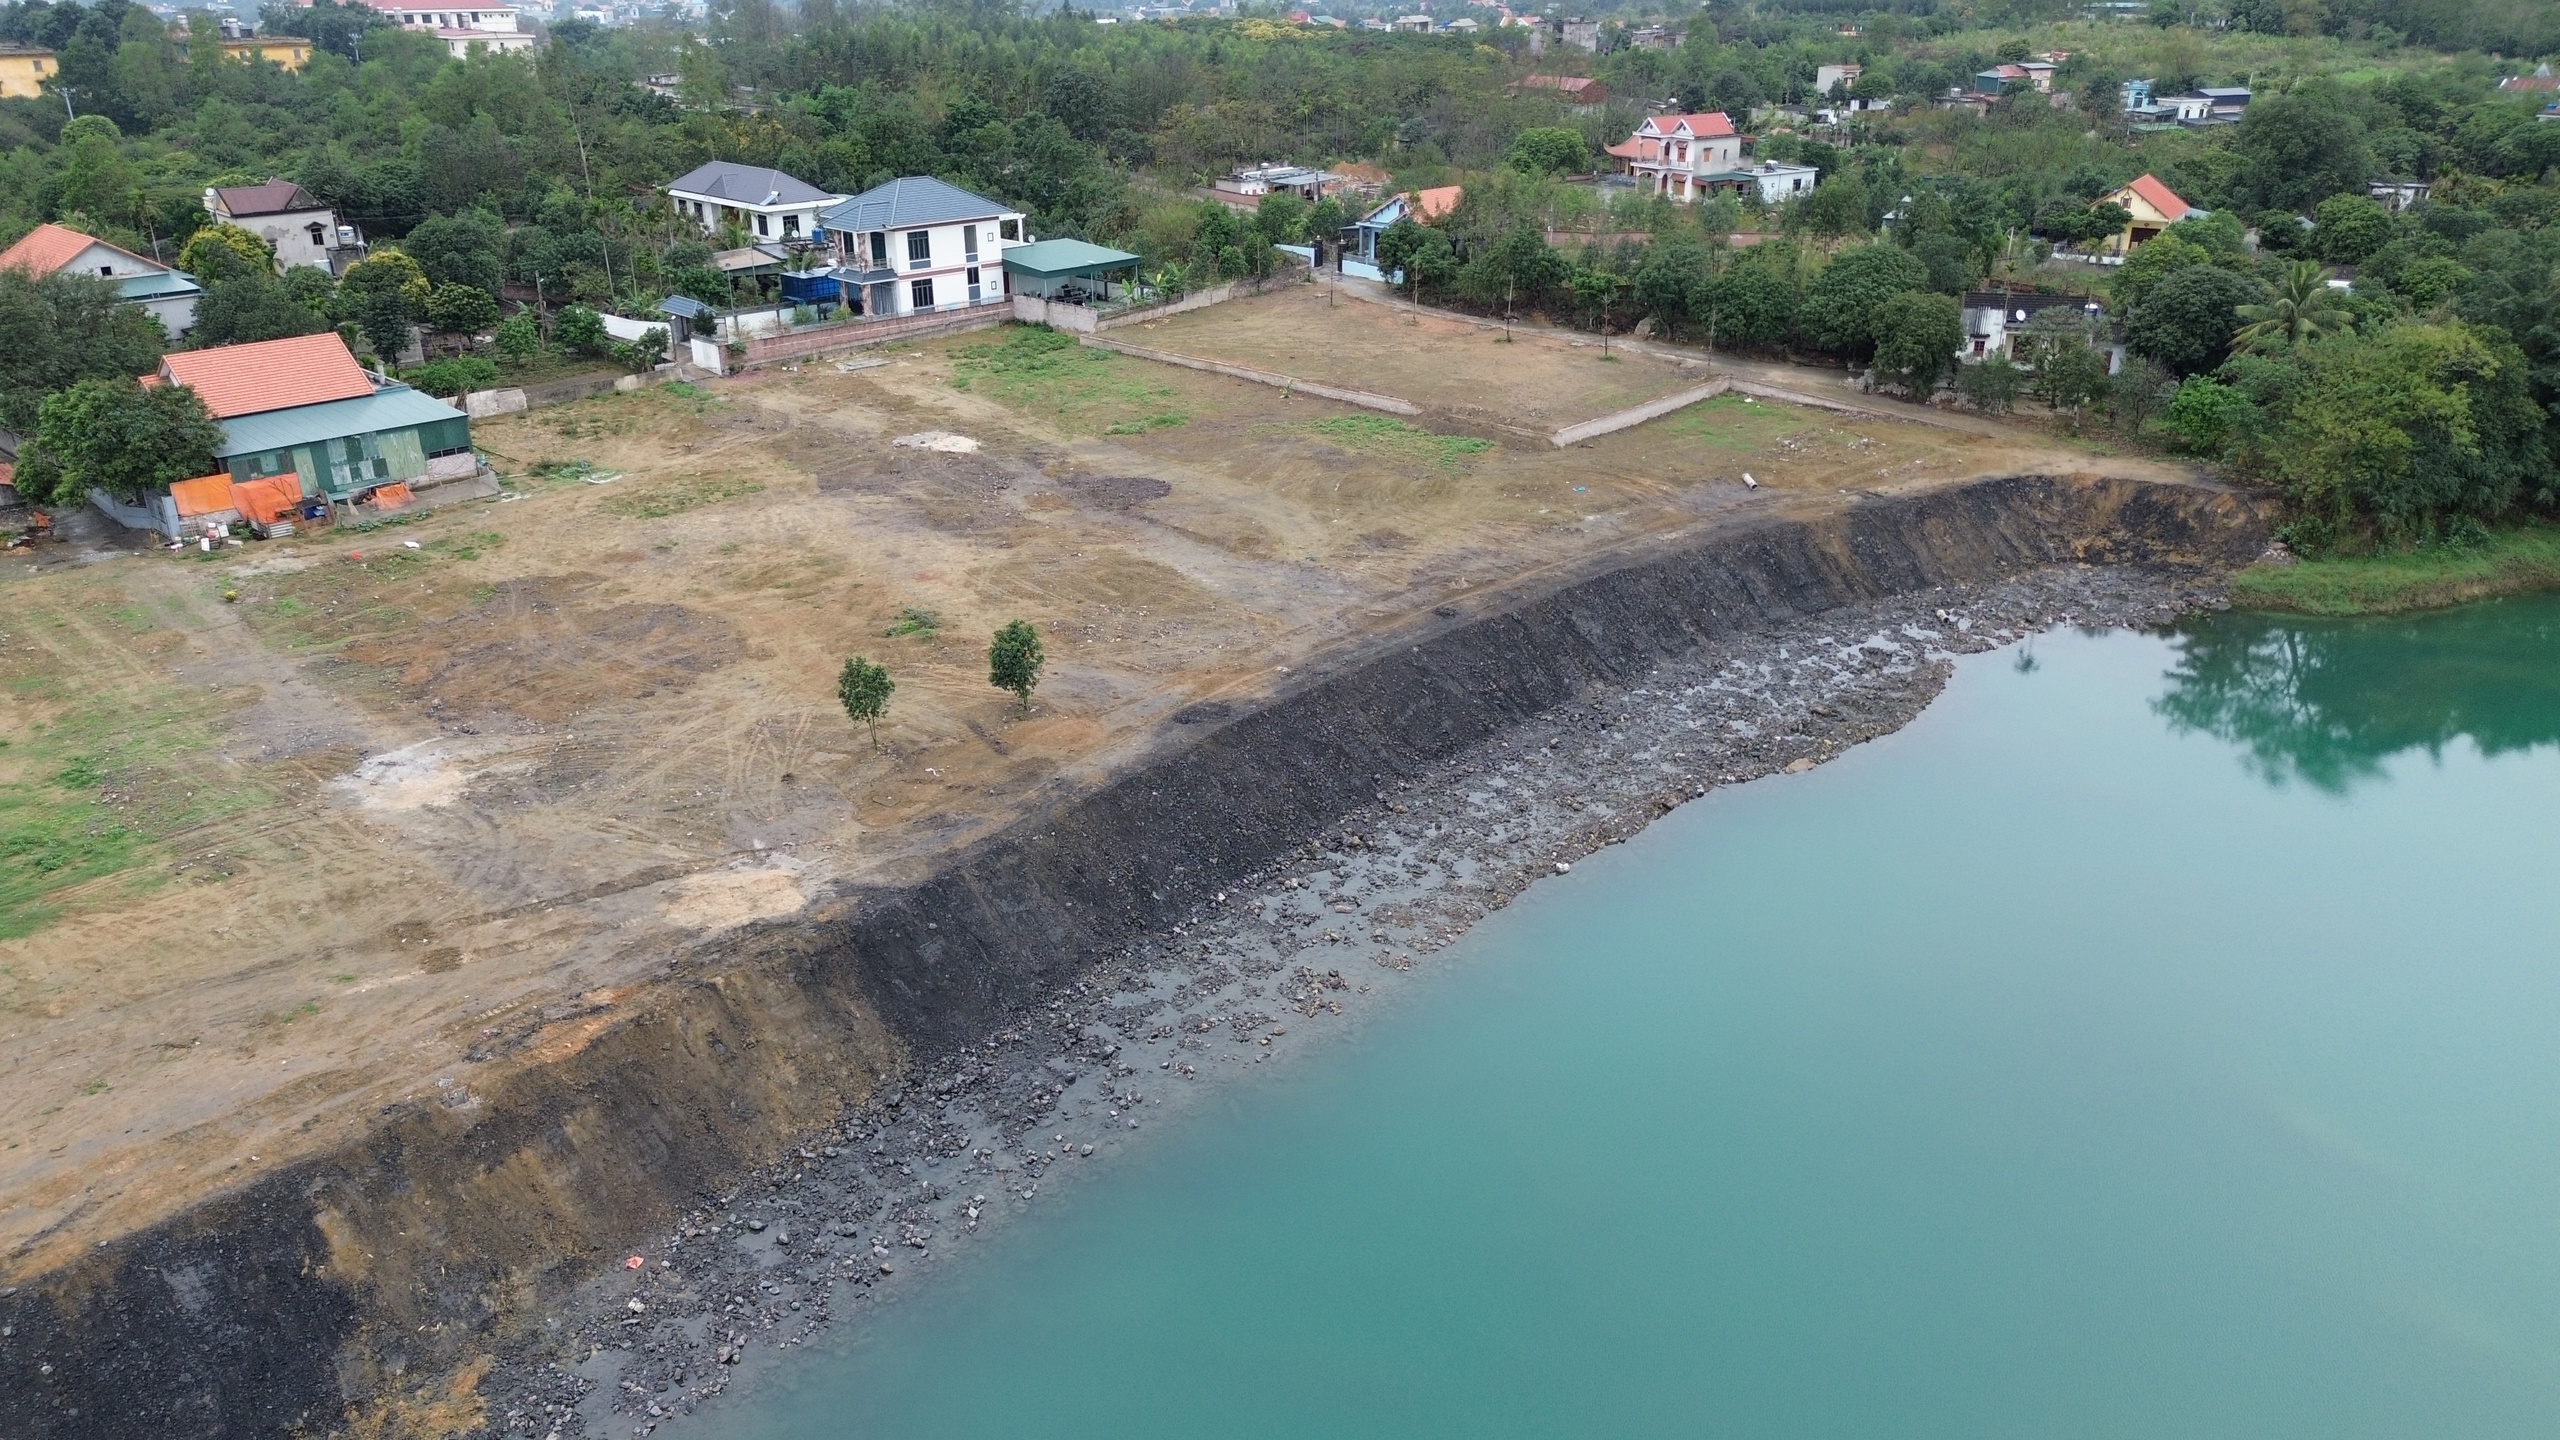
(303, 829)
(1533, 380)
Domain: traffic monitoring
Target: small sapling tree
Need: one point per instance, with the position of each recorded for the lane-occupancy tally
(864, 688)
(1014, 660)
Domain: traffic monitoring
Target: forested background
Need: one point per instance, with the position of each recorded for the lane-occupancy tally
(495, 173)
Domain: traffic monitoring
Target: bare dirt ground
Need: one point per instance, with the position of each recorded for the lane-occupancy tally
(1535, 378)
(294, 831)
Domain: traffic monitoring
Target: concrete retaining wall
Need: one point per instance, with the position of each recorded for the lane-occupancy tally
(1056, 314)
(1291, 383)
(854, 334)
(1638, 414)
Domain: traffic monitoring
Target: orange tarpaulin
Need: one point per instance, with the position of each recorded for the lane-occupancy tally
(206, 495)
(392, 496)
(268, 499)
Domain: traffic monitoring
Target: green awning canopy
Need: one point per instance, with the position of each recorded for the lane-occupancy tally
(1056, 259)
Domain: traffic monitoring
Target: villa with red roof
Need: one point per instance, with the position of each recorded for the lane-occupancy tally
(1673, 155)
(166, 295)
(2154, 208)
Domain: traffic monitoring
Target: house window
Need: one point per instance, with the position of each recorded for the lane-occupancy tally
(761, 223)
(973, 284)
(879, 247)
(790, 225)
(919, 249)
(920, 294)
(969, 243)
(1009, 229)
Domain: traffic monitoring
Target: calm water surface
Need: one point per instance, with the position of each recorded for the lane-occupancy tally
(2161, 1037)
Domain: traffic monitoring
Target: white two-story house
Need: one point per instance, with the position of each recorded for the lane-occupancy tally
(1673, 155)
(773, 207)
(916, 245)
(460, 26)
(303, 229)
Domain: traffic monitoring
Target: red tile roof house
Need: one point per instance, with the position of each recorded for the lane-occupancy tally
(2154, 208)
(1675, 155)
(1576, 91)
(303, 407)
(166, 295)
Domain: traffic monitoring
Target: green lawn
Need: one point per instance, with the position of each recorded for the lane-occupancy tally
(2515, 560)
(1093, 391)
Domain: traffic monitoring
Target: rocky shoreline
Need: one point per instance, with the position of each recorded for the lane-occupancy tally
(866, 1210)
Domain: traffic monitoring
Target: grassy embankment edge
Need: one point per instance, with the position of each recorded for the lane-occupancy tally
(2516, 560)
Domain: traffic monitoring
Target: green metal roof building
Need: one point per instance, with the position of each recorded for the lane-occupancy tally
(1044, 267)
(341, 448)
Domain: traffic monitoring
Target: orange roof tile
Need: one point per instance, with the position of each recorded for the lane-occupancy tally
(1705, 125)
(49, 247)
(2159, 197)
(236, 380)
(1430, 205)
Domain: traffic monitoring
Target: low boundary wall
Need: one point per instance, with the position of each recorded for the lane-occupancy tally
(1366, 400)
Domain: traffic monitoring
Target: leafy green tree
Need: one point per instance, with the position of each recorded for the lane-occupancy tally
(1326, 219)
(468, 248)
(1917, 335)
(519, 336)
(2209, 416)
(385, 318)
(2302, 309)
(252, 306)
(2187, 320)
(1548, 150)
(1420, 252)
(1990, 386)
(1753, 301)
(1597, 289)
(1519, 266)
(1836, 208)
(2149, 264)
(1841, 305)
(115, 435)
(1014, 659)
(1949, 259)
(580, 331)
(457, 375)
(2069, 372)
(1282, 218)
(2297, 147)
(461, 309)
(2139, 390)
(2347, 229)
(1671, 273)
(61, 329)
(223, 251)
(2389, 434)
(864, 689)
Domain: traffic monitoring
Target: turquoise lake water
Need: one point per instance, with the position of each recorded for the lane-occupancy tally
(2160, 1037)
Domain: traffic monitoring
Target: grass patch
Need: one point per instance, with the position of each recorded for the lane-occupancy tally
(1730, 422)
(675, 497)
(1038, 369)
(921, 623)
(2514, 561)
(1393, 439)
(93, 782)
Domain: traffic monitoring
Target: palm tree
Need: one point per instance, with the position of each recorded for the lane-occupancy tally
(2303, 309)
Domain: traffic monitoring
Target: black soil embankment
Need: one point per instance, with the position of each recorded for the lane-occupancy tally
(356, 1290)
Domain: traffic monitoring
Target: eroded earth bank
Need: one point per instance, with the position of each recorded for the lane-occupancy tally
(799, 1114)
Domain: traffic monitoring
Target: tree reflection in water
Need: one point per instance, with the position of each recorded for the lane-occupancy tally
(2328, 701)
